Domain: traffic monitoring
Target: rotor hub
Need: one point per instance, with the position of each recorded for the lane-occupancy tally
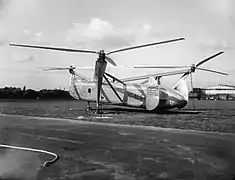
(193, 68)
(101, 52)
(101, 55)
(71, 70)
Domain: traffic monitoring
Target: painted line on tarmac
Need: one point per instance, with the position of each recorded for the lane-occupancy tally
(153, 128)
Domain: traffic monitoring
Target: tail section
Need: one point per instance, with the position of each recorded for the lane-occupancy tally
(182, 87)
(75, 83)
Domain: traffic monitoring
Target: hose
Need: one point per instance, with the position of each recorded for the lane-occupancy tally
(45, 164)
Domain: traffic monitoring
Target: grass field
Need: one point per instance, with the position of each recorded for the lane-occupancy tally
(102, 151)
(218, 116)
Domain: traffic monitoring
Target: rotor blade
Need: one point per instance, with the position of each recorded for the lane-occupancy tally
(145, 81)
(171, 73)
(153, 66)
(202, 69)
(61, 68)
(85, 68)
(55, 68)
(54, 48)
(144, 45)
(110, 61)
(209, 58)
(185, 74)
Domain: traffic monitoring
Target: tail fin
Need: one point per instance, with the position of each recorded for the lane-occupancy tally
(182, 87)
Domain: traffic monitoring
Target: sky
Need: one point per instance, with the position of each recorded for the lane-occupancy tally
(208, 27)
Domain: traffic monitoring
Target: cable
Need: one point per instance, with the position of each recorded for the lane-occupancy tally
(45, 164)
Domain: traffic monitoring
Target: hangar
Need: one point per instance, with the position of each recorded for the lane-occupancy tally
(224, 92)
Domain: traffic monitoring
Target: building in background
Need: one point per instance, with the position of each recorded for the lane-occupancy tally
(217, 92)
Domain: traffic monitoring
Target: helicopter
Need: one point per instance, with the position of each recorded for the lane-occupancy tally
(105, 88)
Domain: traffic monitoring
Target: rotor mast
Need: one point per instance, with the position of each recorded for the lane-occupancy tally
(100, 67)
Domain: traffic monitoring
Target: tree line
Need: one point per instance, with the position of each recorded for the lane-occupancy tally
(18, 93)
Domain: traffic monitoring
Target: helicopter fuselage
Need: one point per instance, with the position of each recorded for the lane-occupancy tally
(133, 95)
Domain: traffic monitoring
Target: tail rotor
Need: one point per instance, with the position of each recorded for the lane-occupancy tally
(71, 70)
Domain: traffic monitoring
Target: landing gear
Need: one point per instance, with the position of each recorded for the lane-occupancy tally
(88, 108)
(98, 111)
(88, 102)
(99, 107)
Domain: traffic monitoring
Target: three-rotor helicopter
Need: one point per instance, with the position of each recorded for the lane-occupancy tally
(108, 89)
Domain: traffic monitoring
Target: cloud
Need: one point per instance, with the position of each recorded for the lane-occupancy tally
(14, 18)
(2, 42)
(216, 44)
(26, 31)
(3, 4)
(21, 58)
(18, 10)
(25, 59)
(223, 8)
(103, 34)
(37, 37)
(232, 20)
(2, 35)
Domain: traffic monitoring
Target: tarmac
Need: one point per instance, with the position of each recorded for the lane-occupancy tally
(91, 150)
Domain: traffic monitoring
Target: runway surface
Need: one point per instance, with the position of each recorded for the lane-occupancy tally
(91, 150)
